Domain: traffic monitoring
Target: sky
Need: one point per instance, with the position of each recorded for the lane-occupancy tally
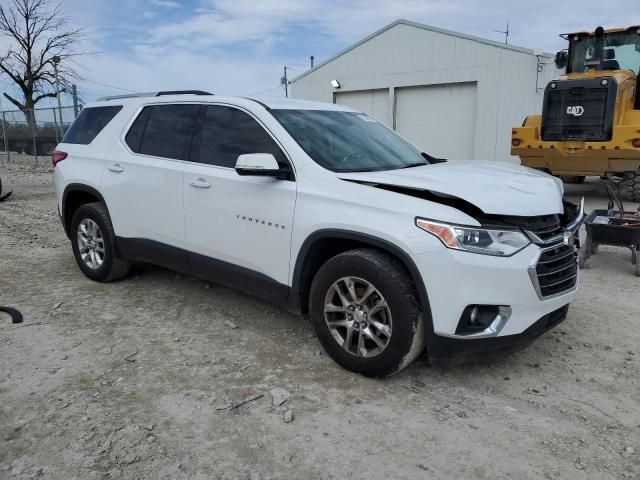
(239, 47)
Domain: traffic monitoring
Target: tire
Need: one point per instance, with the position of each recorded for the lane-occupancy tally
(630, 187)
(101, 262)
(573, 179)
(398, 325)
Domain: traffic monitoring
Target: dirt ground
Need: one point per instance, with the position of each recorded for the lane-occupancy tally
(142, 378)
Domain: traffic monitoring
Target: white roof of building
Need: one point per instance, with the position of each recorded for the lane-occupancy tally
(423, 27)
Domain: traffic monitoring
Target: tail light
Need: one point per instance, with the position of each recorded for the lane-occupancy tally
(636, 143)
(515, 142)
(57, 157)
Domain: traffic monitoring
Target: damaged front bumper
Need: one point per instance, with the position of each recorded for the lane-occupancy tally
(528, 292)
(442, 346)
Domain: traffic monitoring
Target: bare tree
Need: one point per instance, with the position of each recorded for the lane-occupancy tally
(38, 32)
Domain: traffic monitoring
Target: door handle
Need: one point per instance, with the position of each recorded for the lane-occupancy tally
(116, 168)
(199, 183)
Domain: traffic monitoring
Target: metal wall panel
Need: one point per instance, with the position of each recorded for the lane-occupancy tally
(440, 120)
(372, 102)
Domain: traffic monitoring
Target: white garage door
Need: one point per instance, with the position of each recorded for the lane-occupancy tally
(374, 103)
(439, 119)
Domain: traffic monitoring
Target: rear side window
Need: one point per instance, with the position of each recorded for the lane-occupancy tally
(164, 131)
(89, 124)
(228, 132)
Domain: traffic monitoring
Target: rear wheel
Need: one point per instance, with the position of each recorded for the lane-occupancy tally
(92, 240)
(630, 186)
(365, 311)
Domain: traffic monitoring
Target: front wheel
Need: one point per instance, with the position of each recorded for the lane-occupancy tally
(630, 186)
(365, 311)
(92, 240)
(573, 179)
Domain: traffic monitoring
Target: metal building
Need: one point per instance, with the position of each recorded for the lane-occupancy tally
(453, 95)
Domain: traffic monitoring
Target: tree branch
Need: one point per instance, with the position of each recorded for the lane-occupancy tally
(44, 95)
(14, 101)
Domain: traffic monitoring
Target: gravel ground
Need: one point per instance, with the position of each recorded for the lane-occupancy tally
(143, 378)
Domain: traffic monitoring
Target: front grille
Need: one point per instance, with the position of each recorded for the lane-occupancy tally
(545, 227)
(579, 110)
(557, 270)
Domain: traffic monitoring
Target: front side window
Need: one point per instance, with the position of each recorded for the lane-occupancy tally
(164, 131)
(89, 124)
(348, 141)
(228, 132)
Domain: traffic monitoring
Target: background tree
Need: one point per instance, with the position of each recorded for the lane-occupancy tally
(37, 32)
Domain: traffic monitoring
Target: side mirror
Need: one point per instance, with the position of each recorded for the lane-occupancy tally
(259, 165)
(561, 59)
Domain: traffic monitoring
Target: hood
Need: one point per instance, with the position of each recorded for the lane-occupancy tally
(495, 188)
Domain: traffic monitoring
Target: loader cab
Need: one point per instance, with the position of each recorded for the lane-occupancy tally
(602, 50)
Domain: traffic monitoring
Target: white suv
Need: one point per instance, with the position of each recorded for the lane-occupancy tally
(326, 212)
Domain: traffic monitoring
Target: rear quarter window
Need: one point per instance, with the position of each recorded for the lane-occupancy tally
(89, 124)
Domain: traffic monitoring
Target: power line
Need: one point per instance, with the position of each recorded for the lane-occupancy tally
(264, 91)
(110, 86)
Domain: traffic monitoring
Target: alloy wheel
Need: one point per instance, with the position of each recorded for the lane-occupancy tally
(358, 317)
(90, 244)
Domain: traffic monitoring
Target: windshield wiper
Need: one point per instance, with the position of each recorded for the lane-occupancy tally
(416, 164)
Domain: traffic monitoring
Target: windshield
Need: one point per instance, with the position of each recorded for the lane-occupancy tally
(348, 141)
(621, 52)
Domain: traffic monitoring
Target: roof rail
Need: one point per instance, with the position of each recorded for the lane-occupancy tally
(126, 95)
(258, 102)
(154, 94)
(183, 92)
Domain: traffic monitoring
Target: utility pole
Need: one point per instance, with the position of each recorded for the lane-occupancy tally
(56, 61)
(74, 94)
(285, 82)
(505, 33)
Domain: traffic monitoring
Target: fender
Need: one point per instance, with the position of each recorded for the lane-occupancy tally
(407, 261)
(75, 187)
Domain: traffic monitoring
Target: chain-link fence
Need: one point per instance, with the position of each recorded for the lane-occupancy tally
(32, 135)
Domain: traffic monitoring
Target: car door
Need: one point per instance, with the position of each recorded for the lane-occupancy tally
(238, 227)
(143, 183)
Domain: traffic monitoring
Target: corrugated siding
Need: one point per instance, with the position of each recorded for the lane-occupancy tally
(372, 102)
(407, 56)
(439, 119)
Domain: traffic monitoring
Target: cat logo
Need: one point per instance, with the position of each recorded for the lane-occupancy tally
(575, 110)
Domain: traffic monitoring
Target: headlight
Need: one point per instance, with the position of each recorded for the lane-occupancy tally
(501, 243)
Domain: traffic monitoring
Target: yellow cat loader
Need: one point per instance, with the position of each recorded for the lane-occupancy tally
(590, 122)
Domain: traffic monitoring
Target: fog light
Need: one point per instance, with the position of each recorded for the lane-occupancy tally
(482, 320)
(554, 85)
(636, 143)
(604, 82)
(515, 142)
